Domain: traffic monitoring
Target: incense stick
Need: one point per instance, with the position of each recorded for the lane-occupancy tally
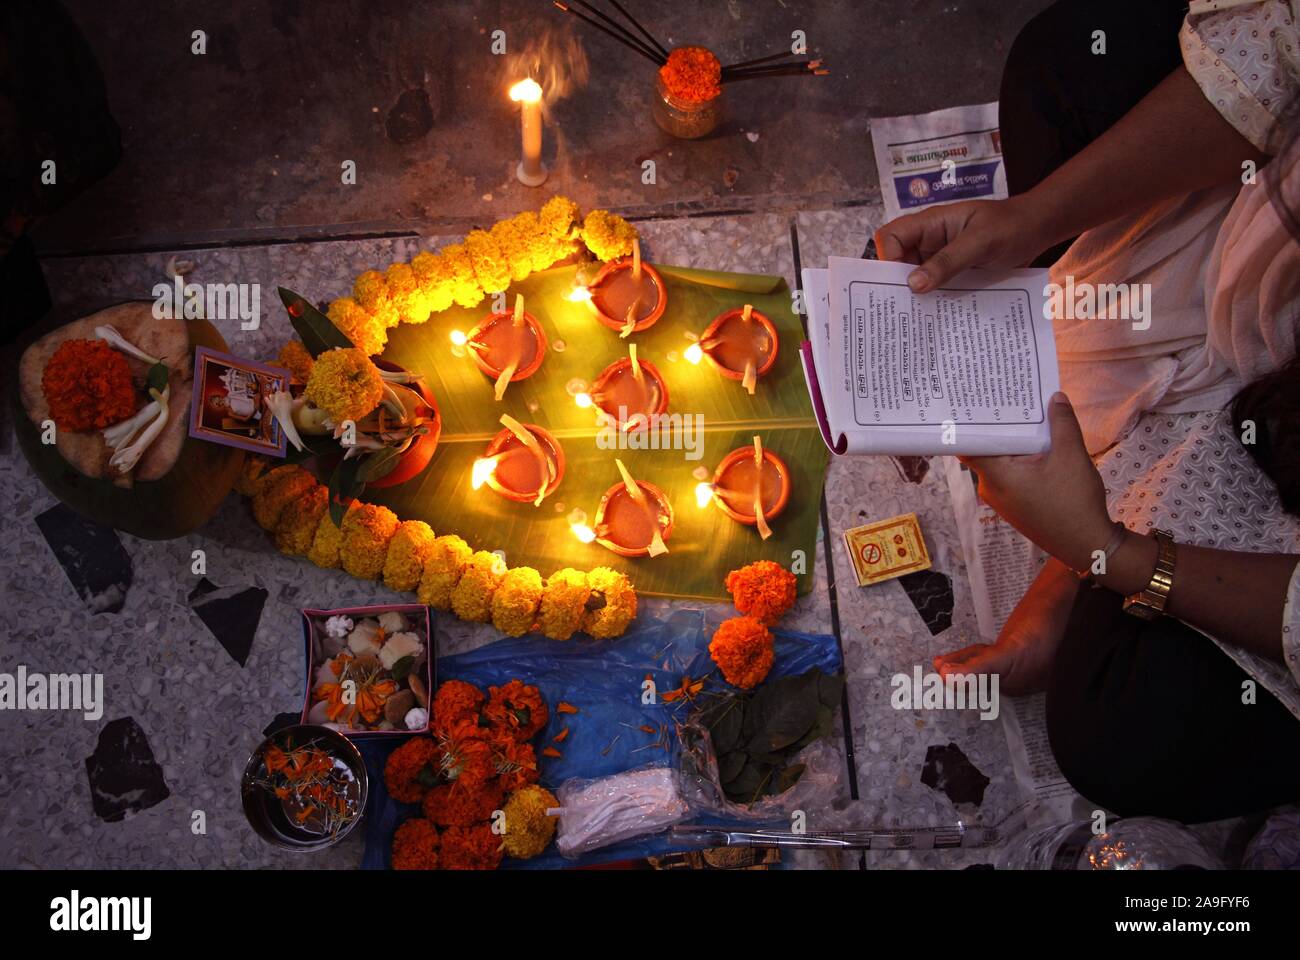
(644, 32)
(616, 27)
(652, 57)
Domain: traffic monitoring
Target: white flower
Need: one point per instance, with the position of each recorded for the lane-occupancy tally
(417, 718)
(338, 626)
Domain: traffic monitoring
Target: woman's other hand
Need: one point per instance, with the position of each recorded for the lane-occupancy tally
(1022, 657)
(1056, 499)
(945, 240)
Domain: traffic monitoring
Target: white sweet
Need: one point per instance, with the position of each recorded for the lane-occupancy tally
(338, 626)
(392, 622)
(417, 718)
(399, 645)
(366, 638)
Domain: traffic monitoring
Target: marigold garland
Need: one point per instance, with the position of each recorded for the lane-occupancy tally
(88, 386)
(488, 261)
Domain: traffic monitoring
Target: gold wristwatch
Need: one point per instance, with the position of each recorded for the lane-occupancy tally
(1150, 602)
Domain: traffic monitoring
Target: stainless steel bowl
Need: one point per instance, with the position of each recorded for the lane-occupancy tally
(265, 811)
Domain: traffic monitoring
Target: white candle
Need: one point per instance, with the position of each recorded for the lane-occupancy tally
(528, 94)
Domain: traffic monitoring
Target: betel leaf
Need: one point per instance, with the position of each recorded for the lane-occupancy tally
(830, 689)
(379, 464)
(788, 777)
(788, 713)
(313, 447)
(727, 726)
(402, 667)
(730, 765)
(158, 377)
(344, 488)
(316, 330)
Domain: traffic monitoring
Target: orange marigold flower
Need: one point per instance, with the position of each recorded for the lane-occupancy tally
(516, 764)
(415, 845)
(743, 650)
(455, 702)
(517, 707)
(692, 73)
(454, 805)
(470, 848)
(405, 766)
(295, 358)
(88, 386)
(468, 761)
(763, 589)
(345, 384)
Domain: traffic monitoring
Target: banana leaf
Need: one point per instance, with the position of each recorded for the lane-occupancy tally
(705, 544)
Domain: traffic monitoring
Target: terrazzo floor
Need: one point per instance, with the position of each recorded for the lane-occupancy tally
(183, 712)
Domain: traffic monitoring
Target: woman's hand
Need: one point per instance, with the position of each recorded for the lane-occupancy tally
(1022, 657)
(1056, 499)
(945, 240)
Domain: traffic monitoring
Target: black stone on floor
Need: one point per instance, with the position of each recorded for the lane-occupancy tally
(92, 556)
(281, 721)
(948, 769)
(231, 614)
(124, 777)
(931, 593)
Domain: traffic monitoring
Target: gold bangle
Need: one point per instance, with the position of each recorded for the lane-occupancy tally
(1150, 602)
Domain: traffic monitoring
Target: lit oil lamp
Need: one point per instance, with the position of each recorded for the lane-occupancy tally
(634, 518)
(741, 344)
(627, 295)
(506, 346)
(751, 485)
(523, 463)
(629, 392)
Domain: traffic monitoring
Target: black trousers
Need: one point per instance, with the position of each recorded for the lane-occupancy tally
(1144, 718)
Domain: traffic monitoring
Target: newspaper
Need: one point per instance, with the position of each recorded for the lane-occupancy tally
(940, 157)
(1001, 565)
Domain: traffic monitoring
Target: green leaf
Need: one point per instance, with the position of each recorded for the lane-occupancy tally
(344, 487)
(427, 777)
(378, 465)
(158, 377)
(313, 447)
(730, 765)
(316, 330)
(789, 709)
(726, 728)
(402, 667)
(830, 689)
(787, 778)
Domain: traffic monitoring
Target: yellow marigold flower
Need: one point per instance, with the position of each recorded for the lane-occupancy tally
(471, 598)
(465, 289)
(295, 531)
(325, 545)
(554, 239)
(434, 276)
(490, 266)
(282, 485)
(528, 829)
(607, 235)
(515, 238)
(564, 603)
(366, 332)
(442, 569)
(370, 289)
(514, 605)
(366, 530)
(406, 554)
(295, 358)
(251, 476)
(405, 293)
(618, 608)
(345, 384)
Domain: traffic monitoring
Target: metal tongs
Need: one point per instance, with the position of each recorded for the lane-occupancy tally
(920, 839)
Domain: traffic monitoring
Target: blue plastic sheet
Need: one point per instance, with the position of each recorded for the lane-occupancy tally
(604, 681)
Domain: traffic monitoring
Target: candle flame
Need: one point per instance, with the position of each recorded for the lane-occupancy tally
(458, 338)
(694, 353)
(484, 468)
(703, 494)
(578, 295)
(583, 400)
(526, 91)
(583, 532)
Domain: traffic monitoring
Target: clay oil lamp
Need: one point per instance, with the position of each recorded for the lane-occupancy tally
(634, 518)
(751, 485)
(507, 346)
(629, 392)
(741, 344)
(627, 295)
(523, 463)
